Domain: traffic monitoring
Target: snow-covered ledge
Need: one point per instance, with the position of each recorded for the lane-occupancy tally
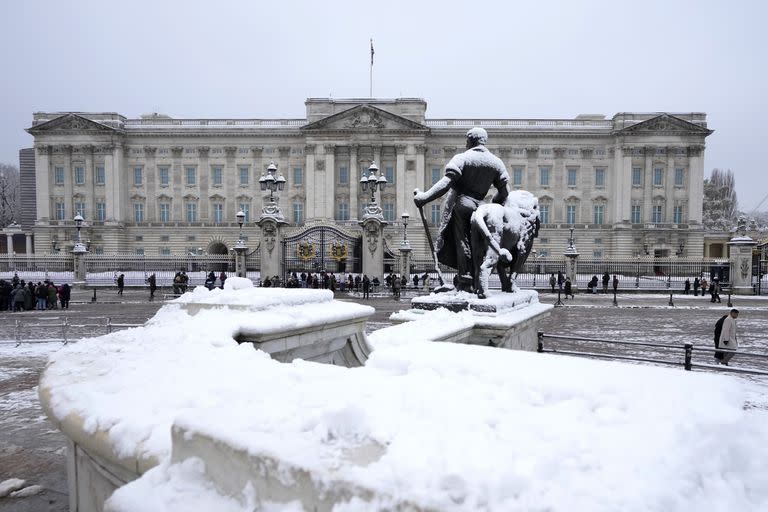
(422, 426)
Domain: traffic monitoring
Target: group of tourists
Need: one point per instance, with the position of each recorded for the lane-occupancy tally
(19, 295)
(714, 289)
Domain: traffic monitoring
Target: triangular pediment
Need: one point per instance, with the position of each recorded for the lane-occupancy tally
(70, 123)
(365, 118)
(665, 124)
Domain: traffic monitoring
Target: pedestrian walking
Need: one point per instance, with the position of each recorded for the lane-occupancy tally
(152, 280)
(606, 280)
(687, 287)
(120, 284)
(560, 279)
(704, 285)
(64, 294)
(552, 281)
(366, 286)
(568, 288)
(714, 291)
(615, 283)
(696, 285)
(725, 337)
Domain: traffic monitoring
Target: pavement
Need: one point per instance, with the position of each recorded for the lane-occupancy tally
(30, 448)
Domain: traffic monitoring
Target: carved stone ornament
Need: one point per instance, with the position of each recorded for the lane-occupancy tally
(745, 268)
(320, 165)
(203, 151)
(150, 150)
(372, 236)
(177, 151)
(272, 210)
(365, 119)
(269, 235)
(43, 149)
(230, 151)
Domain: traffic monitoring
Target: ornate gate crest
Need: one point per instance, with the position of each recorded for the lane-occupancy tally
(305, 251)
(339, 252)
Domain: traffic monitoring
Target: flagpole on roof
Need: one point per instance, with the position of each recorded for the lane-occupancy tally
(370, 79)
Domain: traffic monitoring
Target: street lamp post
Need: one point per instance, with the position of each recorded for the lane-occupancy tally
(240, 247)
(272, 181)
(79, 246)
(372, 182)
(405, 249)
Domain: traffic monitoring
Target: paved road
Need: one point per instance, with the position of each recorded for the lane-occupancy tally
(31, 449)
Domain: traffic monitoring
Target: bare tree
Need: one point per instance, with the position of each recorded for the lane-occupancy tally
(9, 194)
(720, 202)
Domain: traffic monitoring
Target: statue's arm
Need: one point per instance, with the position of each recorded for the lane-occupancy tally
(501, 186)
(437, 190)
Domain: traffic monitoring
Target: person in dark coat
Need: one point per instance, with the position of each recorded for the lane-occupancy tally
(687, 287)
(366, 286)
(568, 288)
(560, 279)
(615, 283)
(41, 294)
(222, 278)
(152, 280)
(606, 280)
(53, 293)
(120, 284)
(64, 295)
(696, 285)
(552, 282)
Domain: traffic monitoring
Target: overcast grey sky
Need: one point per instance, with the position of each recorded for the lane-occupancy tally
(467, 59)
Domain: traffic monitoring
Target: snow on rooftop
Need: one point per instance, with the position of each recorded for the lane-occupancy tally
(462, 427)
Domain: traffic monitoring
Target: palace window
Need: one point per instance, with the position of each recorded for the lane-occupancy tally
(79, 175)
(138, 176)
(191, 175)
(60, 212)
(572, 176)
(191, 209)
(343, 175)
(544, 176)
(165, 238)
(658, 214)
(80, 209)
(637, 176)
(165, 251)
(436, 175)
(517, 176)
(139, 251)
(658, 177)
(218, 213)
(138, 212)
(298, 213)
(244, 173)
(389, 212)
(101, 212)
(342, 211)
(544, 213)
(599, 177)
(58, 175)
(389, 173)
(298, 176)
(434, 214)
(165, 212)
(246, 209)
(100, 176)
(218, 176)
(637, 214)
(599, 214)
(677, 215)
(164, 175)
(570, 214)
(679, 177)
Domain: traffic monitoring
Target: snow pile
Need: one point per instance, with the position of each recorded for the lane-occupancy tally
(461, 427)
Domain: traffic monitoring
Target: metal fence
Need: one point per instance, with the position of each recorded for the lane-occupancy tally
(651, 273)
(55, 267)
(64, 330)
(103, 269)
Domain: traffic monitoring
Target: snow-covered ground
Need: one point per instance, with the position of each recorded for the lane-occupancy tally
(461, 427)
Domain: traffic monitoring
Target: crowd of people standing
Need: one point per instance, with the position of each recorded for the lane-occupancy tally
(19, 295)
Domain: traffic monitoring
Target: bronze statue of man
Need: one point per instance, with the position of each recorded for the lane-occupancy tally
(468, 178)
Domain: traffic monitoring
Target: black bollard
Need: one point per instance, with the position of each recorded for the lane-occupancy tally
(614, 298)
(730, 305)
(93, 299)
(670, 300)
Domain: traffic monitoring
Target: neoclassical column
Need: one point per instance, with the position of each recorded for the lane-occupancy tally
(231, 182)
(43, 182)
(669, 185)
(69, 179)
(648, 189)
(177, 183)
(695, 183)
(621, 183)
(309, 180)
(259, 168)
(115, 178)
(421, 177)
(150, 178)
(90, 180)
(29, 242)
(400, 177)
(9, 243)
(330, 179)
(203, 180)
(354, 181)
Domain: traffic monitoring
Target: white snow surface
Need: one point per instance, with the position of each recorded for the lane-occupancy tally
(463, 427)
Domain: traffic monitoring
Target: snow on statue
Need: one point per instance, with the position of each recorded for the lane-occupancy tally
(468, 178)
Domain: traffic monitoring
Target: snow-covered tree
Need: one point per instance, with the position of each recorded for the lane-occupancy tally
(9, 194)
(720, 203)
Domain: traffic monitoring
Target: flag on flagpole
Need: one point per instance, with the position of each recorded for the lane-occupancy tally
(372, 52)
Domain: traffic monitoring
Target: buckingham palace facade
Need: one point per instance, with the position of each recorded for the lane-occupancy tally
(629, 185)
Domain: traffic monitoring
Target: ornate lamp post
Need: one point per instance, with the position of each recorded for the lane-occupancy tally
(372, 182)
(405, 243)
(272, 181)
(79, 246)
(240, 219)
(240, 247)
(405, 249)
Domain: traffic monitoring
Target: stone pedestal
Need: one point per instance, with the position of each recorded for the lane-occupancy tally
(741, 265)
(571, 259)
(78, 256)
(405, 260)
(240, 251)
(271, 239)
(373, 244)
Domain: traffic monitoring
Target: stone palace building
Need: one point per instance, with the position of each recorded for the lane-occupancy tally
(630, 185)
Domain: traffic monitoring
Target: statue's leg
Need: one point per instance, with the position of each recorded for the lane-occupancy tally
(505, 277)
(461, 231)
(484, 272)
